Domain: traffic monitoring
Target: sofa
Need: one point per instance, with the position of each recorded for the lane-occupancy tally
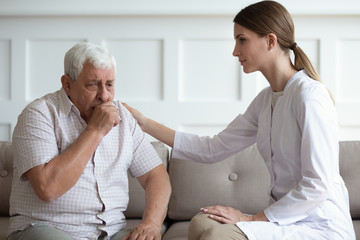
(240, 181)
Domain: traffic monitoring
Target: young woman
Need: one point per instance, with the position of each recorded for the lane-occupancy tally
(294, 124)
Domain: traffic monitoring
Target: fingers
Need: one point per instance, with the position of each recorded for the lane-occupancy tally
(222, 214)
(140, 118)
(220, 219)
(219, 211)
(144, 231)
(104, 118)
(132, 110)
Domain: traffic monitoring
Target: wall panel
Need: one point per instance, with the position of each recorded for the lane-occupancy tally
(347, 78)
(177, 69)
(208, 71)
(139, 68)
(45, 65)
(5, 132)
(5, 69)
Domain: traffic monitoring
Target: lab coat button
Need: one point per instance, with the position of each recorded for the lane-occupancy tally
(233, 177)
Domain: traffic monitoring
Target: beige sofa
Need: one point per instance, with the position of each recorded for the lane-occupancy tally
(241, 181)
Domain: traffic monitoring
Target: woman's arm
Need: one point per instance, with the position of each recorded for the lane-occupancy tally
(155, 129)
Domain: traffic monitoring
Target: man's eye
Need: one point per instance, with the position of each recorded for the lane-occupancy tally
(92, 86)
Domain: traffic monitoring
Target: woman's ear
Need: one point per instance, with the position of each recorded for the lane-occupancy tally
(66, 83)
(271, 40)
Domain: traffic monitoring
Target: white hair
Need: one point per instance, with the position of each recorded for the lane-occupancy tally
(84, 52)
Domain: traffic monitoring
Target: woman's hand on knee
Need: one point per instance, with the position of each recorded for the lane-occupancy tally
(226, 215)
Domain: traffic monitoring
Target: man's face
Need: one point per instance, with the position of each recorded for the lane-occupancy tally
(93, 86)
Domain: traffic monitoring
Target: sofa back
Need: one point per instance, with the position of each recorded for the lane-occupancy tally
(242, 181)
(6, 173)
(136, 192)
(350, 172)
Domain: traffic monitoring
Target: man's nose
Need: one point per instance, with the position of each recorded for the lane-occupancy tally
(103, 94)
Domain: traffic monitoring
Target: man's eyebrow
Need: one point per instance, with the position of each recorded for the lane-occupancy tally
(93, 80)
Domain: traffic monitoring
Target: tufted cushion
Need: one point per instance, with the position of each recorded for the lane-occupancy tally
(136, 193)
(6, 173)
(349, 170)
(241, 181)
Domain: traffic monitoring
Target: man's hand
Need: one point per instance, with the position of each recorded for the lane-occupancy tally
(145, 231)
(104, 118)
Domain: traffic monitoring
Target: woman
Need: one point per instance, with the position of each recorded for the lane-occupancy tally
(294, 124)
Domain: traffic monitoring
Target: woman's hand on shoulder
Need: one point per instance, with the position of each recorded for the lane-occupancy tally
(140, 118)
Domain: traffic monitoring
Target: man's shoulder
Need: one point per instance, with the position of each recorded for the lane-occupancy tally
(48, 99)
(44, 105)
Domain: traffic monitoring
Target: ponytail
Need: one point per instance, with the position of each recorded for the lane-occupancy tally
(301, 61)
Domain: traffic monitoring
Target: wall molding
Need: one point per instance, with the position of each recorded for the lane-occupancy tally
(166, 8)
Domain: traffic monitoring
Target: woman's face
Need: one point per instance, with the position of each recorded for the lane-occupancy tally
(250, 48)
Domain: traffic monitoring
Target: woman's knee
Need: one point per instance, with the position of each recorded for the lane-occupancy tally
(198, 224)
(224, 232)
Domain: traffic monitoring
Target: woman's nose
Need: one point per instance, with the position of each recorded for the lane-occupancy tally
(235, 52)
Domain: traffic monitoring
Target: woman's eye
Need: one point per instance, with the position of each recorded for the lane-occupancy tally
(242, 40)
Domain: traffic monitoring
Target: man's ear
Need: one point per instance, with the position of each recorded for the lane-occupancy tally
(66, 82)
(271, 40)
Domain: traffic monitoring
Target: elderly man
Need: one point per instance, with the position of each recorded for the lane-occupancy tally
(73, 149)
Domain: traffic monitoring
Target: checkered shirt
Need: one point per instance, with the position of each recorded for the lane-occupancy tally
(46, 128)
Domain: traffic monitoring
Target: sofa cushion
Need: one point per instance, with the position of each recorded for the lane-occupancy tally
(6, 173)
(349, 170)
(241, 181)
(132, 223)
(177, 231)
(136, 192)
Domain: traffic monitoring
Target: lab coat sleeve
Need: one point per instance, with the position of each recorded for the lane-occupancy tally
(317, 122)
(238, 135)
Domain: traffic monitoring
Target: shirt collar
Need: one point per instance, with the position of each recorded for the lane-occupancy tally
(297, 75)
(65, 103)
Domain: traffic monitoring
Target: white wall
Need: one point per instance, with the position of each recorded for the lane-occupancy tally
(174, 57)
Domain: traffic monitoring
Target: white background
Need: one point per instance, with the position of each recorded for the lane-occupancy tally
(174, 58)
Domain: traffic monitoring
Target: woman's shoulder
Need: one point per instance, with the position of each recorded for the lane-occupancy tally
(303, 87)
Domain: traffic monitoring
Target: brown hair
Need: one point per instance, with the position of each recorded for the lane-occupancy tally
(271, 17)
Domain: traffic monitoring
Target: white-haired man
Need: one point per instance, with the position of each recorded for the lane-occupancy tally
(72, 151)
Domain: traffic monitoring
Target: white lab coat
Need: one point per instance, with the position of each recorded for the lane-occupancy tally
(299, 145)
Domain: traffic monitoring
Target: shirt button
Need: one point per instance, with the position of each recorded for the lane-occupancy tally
(233, 177)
